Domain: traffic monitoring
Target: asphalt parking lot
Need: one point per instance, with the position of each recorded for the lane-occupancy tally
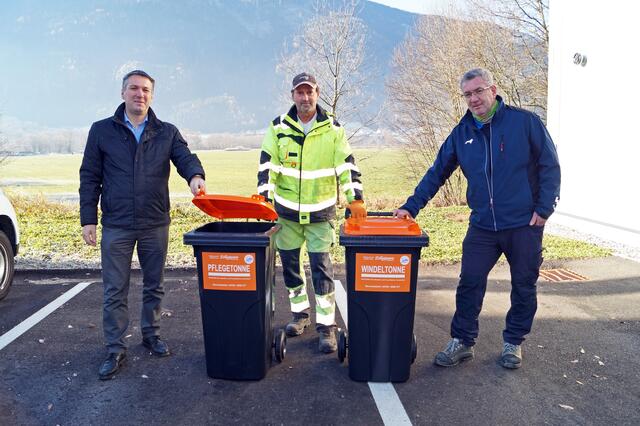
(580, 362)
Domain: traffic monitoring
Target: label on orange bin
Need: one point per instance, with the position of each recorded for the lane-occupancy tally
(229, 271)
(383, 272)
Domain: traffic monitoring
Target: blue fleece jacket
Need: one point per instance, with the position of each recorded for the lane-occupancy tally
(510, 174)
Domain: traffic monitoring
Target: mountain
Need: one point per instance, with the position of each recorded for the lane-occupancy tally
(214, 61)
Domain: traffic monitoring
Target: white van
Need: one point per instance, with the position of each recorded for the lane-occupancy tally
(9, 243)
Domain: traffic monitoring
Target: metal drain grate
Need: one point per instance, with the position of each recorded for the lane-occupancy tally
(556, 275)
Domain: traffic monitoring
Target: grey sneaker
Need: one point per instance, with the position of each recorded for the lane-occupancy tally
(511, 356)
(297, 325)
(455, 352)
(327, 342)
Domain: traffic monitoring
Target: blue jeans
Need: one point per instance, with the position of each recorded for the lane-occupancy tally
(117, 250)
(481, 250)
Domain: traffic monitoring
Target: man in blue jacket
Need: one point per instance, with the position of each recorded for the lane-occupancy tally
(513, 176)
(126, 166)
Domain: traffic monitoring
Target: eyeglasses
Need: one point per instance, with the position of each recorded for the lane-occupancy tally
(477, 92)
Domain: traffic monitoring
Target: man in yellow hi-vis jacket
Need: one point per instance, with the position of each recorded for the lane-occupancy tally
(304, 154)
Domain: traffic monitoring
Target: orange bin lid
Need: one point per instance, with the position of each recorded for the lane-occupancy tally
(235, 207)
(381, 225)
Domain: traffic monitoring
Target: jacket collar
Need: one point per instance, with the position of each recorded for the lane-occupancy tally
(292, 115)
(467, 118)
(152, 123)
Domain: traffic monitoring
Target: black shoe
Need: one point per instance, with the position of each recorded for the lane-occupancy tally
(112, 365)
(157, 346)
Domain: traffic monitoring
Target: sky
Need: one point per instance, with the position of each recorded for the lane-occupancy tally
(419, 6)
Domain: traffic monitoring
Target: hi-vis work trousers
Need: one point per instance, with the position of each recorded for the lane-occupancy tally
(318, 237)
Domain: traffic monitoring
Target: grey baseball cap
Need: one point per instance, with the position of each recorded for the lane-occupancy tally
(304, 78)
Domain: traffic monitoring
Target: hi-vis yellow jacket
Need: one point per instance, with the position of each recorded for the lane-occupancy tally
(299, 173)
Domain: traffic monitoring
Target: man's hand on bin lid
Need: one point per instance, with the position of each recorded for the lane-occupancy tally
(358, 209)
(197, 185)
(402, 214)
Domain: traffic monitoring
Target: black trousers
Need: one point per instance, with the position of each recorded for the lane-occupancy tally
(117, 250)
(481, 250)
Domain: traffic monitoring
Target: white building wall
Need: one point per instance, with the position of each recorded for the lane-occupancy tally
(594, 115)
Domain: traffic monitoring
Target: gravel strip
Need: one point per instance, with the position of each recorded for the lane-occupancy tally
(620, 250)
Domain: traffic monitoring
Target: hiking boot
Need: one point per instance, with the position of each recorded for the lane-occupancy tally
(511, 356)
(327, 342)
(297, 325)
(455, 352)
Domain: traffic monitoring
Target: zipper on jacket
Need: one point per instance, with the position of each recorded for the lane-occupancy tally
(489, 157)
(300, 179)
(304, 137)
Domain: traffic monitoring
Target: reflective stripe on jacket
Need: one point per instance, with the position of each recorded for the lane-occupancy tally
(299, 172)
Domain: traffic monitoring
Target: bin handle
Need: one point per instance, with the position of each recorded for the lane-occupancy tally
(384, 214)
(347, 214)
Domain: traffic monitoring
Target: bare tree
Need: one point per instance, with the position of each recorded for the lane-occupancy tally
(331, 45)
(424, 91)
(424, 96)
(528, 17)
(527, 23)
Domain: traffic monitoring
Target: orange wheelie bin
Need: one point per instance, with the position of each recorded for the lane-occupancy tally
(236, 277)
(381, 256)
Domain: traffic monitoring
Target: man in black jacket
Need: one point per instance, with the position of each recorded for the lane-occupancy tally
(126, 166)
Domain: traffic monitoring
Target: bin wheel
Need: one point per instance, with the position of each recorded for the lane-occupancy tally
(414, 349)
(280, 345)
(342, 345)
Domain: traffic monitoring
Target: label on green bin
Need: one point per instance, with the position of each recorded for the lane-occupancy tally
(383, 272)
(229, 271)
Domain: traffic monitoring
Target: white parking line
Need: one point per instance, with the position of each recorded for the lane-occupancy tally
(389, 404)
(384, 394)
(34, 319)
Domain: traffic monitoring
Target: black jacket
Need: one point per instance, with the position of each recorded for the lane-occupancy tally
(131, 179)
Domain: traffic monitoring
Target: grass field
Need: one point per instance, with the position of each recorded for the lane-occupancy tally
(51, 232)
(228, 172)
